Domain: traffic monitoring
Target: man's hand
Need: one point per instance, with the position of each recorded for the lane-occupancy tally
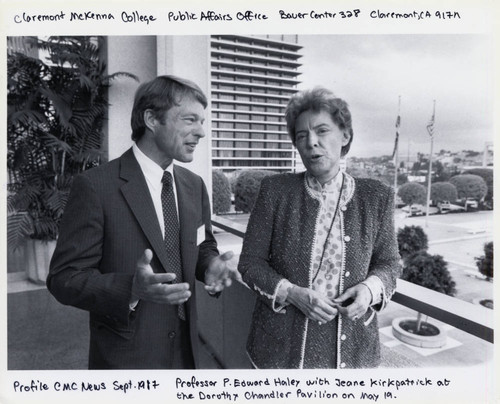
(361, 298)
(153, 287)
(221, 271)
(313, 304)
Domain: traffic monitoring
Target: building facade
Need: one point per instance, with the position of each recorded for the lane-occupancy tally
(252, 79)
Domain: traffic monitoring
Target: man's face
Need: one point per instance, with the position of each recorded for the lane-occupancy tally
(177, 135)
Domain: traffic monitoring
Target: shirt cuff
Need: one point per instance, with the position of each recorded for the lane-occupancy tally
(133, 305)
(281, 295)
(374, 284)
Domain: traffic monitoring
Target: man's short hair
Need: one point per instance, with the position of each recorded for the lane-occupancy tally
(159, 95)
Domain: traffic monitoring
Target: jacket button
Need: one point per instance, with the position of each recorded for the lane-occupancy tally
(343, 337)
(347, 274)
(347, 238)
(343, 208)
(342, 365)
(171, 334)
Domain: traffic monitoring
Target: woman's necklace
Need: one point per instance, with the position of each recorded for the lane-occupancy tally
(329, 230)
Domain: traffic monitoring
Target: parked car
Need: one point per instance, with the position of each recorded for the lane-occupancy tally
(444, 206)
(471, 203)
(399, 202)
(413, 210)
(468, 204)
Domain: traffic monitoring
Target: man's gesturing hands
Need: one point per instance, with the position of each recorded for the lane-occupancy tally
(154, 287)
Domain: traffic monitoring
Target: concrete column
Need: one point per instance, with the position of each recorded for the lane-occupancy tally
(148, 57)
(132, 54)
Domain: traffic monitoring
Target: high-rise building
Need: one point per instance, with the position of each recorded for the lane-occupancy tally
(252, 79)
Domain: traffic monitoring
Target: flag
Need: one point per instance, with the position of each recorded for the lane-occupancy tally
(398, 124)
(430, 126)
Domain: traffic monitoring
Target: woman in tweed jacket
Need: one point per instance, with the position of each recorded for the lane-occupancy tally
(320, 250)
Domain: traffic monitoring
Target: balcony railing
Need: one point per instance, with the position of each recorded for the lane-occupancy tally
(471, 318)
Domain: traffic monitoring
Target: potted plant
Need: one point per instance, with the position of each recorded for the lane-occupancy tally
(429, 271)
(56, 110)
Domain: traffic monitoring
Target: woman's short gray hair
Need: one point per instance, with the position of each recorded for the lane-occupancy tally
(319, 99)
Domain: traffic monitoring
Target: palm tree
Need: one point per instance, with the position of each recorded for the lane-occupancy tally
(56, 111)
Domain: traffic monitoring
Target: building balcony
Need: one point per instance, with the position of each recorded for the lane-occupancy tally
(276, 132)
(278, 115)
(216, 63)
(248, 93)
(251, 49)
(266, 60)
(248, 103)
(258, 41)
(251, 43)
(288, 80)
(252, 85)
(249, 121)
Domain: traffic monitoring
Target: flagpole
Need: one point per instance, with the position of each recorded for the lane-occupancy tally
(430, 129)
(396, 146)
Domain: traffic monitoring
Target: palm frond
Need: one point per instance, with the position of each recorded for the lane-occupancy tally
(61, 106)
(19, 227)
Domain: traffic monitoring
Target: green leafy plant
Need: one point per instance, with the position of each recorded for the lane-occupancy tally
(221, 192)
(485, 262)
(422, 268)
(411, 239)
(487, 175)
(247, 188)
(412, 192)
(429, 271)
(56, 110)
(470, 186)
(443, 191)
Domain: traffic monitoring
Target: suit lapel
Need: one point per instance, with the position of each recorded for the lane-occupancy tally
(187, 197)
(136, 193)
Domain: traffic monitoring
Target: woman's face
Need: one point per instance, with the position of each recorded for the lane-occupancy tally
(319, 142)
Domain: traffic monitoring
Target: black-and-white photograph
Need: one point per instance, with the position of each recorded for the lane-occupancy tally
(249, 202)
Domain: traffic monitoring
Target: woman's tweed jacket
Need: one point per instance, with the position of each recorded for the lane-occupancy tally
(278, 245)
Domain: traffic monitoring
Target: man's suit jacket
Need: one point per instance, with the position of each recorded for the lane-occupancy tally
(108, 222)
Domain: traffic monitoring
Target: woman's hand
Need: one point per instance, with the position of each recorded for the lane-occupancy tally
(314, 305)
(361, 298)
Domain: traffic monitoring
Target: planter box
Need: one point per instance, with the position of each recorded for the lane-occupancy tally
(38, 255)
(422, 341)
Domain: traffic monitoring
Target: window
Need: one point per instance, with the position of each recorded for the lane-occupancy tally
(239, 107)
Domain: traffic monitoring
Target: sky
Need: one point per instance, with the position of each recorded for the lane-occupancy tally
(371, 72)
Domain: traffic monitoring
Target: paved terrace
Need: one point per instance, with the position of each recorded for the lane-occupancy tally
(43, 334)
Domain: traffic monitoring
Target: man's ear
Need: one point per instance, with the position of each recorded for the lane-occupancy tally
(150, 120)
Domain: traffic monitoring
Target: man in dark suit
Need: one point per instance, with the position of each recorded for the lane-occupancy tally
(136, 232)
